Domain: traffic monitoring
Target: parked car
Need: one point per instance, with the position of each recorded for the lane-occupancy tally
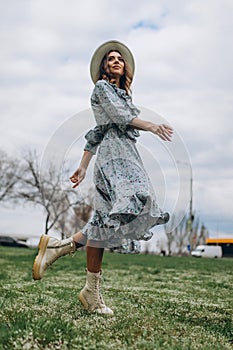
(11, 242)
(207, 251)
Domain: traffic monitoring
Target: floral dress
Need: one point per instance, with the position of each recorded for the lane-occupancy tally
(125, 208)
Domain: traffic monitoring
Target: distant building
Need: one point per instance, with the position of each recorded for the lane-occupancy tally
(225, 243)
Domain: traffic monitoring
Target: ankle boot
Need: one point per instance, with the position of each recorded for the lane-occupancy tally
(50, 249)
(91, 297)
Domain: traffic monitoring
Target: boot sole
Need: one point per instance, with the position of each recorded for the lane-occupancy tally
(83, 300)
(37, 263)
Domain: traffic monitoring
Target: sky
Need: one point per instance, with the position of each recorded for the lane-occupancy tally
(184, 76)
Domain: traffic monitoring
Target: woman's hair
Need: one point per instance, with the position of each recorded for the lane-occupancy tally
(125, 80)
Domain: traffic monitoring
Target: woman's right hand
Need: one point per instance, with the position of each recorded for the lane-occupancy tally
(78, 176)
(162, 130)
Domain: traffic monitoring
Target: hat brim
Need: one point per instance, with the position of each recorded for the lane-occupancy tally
(101, 52)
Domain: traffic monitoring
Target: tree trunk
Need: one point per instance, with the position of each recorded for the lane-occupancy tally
(47, 224)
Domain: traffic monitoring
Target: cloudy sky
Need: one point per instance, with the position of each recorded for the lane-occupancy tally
(183, 52)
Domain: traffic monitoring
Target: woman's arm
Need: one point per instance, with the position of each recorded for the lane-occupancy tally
(80, 173)
(162, 130)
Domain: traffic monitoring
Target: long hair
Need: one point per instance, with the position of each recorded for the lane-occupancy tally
(125, 80)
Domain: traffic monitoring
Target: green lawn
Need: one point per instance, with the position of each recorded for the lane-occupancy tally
(159, 303)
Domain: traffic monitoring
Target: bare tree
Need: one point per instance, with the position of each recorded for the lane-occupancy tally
(178, 236)
(74, 220)
(62, 224)
(195, 232)
(78, 216)
(84, 210)
(203, 234)
(44, 189)
(199, 234)
(9, 171)
(171, 233)
(176, 231)
(181, 235)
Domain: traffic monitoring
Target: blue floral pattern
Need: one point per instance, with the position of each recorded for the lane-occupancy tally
(125, 208)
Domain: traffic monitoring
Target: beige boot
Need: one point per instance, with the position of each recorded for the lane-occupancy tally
(91, 297)
(50, 249)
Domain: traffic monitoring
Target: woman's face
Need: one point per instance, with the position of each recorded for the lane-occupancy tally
(115, 64)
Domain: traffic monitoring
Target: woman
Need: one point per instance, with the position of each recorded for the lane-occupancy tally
(125, 208)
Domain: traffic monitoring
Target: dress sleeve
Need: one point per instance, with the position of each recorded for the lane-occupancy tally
(94, 138)
(90, 148)
(115, 103)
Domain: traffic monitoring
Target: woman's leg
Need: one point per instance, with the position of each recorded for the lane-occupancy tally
(79, 239)
(94, 258)
(90, 296)
(50, 249)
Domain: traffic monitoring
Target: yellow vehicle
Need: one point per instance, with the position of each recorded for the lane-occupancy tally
(225, 243)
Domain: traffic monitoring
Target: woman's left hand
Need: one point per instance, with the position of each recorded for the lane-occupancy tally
(78, 176)
(163, 131)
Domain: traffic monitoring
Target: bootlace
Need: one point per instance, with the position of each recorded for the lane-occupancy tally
(96, 290)
(99, 297)
(54, 258)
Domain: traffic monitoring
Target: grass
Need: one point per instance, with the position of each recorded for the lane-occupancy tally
(168, 303)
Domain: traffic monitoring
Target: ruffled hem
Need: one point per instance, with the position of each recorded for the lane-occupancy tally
(111, 232)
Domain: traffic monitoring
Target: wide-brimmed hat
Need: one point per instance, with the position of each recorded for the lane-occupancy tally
(102, 50)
